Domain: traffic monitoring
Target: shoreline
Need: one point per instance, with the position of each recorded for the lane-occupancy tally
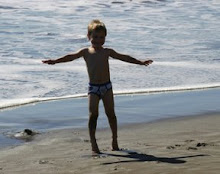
(130, 109)
(184, 145)
(41, 135)
(20, 142)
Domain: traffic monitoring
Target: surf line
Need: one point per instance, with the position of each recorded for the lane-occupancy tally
(165, 90)
(21, 102)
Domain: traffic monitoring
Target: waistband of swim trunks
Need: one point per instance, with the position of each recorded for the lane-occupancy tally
(102, 84)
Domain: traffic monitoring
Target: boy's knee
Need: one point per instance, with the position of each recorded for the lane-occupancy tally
(93, 115)
(92, 120)
(111, 114)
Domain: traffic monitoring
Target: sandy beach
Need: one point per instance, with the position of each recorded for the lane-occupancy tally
(178, 145)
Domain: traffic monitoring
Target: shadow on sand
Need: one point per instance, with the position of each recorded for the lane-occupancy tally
(140, 157)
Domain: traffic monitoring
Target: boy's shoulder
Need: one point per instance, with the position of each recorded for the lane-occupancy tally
(90, 49)
(109, 50)
(84, 49)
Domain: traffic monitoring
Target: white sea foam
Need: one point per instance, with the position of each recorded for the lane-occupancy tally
(19, 102)
(189, 64)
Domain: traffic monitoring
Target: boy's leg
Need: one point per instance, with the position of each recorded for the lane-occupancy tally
(108, 101)
(93, 116)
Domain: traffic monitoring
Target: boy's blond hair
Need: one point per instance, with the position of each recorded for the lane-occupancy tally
(96, 25)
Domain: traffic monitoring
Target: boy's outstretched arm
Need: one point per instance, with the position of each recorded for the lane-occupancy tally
(67, 58)
(129, 59)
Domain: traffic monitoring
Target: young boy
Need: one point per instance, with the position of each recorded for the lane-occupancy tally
(100, 87)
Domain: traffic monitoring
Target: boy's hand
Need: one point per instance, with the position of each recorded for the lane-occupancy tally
(147, 62)
(49, 62)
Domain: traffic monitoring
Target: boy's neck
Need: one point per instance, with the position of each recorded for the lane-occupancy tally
(96, 48)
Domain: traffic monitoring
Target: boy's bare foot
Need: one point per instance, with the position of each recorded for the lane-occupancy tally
(115, 145)
(96, 153)
(95, 149)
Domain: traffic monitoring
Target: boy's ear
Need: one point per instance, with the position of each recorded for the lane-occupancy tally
(88, 36)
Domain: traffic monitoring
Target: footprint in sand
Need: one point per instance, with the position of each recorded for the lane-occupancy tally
(190, 145)
(191, 148)
(202, 144)
(43, 162)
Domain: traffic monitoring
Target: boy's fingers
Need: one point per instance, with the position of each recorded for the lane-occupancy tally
(148, 62)
(50, 62)
(45, 61)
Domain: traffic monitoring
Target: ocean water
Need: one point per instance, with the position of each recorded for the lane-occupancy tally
(181, 36)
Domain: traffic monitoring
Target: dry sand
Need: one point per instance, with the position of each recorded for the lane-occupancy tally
(186, 145)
